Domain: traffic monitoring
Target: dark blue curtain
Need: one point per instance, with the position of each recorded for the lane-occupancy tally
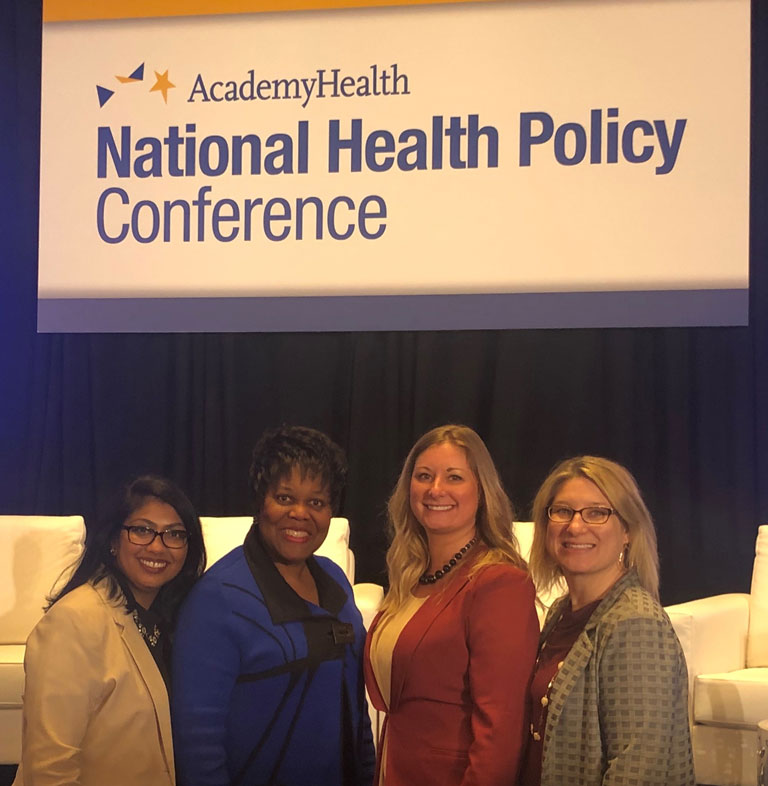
(685, 409)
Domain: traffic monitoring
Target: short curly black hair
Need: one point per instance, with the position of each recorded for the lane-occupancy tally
(281, 450)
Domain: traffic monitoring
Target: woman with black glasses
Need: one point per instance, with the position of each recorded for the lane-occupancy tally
(609, 696)
(96, 704)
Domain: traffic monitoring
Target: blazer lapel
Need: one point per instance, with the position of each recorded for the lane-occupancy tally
(150, 674)
(576, 660)
(567, 677)
(418, 627)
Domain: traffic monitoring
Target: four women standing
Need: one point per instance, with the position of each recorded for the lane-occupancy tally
(267, 673)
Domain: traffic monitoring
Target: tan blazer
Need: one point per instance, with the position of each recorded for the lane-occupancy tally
(95, 705)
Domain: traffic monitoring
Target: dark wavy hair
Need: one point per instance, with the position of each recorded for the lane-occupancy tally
(281, 450)
(98, 564)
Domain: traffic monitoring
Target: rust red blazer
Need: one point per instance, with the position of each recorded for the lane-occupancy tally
(460, 674)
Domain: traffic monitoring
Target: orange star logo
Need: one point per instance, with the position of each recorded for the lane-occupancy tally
(163, 84)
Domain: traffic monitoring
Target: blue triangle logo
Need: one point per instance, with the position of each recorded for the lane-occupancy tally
(104, 94)
(138, 73)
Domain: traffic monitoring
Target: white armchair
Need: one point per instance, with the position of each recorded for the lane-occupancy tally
(222, 534)
(725, 640)
(524, 534)
(37, 554)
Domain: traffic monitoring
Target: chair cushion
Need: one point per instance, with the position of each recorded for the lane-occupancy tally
(11, 675)
(224, 533)
(757, 643)
(10, 737)
(221, 534)
(738, 699)
(336, 547)
(724, 756)
(37, 553)
(524, 533)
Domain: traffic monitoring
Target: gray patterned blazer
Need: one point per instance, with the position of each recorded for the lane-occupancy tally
(618, 708)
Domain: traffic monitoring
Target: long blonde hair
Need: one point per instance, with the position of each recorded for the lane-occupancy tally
(620, 488)
(408, 554)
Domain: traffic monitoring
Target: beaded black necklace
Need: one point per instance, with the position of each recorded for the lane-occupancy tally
(431, 578)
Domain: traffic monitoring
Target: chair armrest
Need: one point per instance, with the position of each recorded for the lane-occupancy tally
(368, 598)
(336, 547)
(713, 632)
(350, 571)
(545, 600)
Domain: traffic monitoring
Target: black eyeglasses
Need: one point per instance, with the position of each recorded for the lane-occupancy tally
(562, 514)
(143, 536)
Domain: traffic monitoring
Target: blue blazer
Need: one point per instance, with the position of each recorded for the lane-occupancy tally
(268, 688)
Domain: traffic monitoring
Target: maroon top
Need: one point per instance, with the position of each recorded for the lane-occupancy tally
(552, 653)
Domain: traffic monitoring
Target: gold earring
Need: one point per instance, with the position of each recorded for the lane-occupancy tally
(624, 554)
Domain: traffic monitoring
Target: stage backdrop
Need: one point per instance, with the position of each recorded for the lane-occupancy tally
(685, 408)
(465, 165)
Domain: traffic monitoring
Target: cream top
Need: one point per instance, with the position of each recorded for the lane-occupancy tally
(384, 640)
(383, 644)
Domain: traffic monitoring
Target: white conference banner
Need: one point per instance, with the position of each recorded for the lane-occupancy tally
(540, 163)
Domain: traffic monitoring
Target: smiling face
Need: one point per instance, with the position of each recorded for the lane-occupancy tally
(587, 555)
(148, 568)
(444, 493)
(295, 518)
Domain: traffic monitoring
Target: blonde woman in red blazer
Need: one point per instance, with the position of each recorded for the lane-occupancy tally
(450, 655)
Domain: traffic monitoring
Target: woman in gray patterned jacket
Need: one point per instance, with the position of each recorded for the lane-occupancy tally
(609, 697)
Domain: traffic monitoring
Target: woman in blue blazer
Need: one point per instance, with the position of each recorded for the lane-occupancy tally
(267, 685)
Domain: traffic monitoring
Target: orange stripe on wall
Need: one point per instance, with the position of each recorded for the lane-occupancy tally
(80, 10)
